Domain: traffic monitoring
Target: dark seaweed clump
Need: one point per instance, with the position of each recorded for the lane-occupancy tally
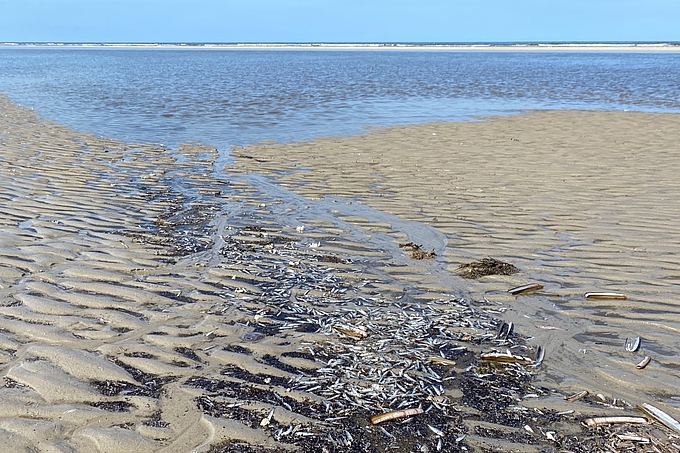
(417, 252)
(487, 266)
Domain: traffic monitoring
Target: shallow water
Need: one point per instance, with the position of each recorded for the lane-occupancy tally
(226, 97)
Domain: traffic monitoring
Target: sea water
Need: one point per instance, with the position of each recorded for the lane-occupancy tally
(225, 97)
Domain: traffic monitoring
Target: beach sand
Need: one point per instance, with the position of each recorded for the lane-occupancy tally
(579, 201)
(150, 302)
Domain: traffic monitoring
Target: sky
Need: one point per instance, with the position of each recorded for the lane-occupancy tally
(338, 20)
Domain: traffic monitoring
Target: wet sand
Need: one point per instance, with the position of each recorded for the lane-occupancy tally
(152, 302)
(579, 201)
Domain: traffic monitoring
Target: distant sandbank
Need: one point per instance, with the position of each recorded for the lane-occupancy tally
(531, 47)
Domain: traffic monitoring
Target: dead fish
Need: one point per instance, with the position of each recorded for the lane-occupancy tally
(252, 336)
(530, 288)
(393, 415)
(265, 421)
(387, 433)
(436, 431)
(504, 331)
(597, 421)
(506, 357)
(576, 396)
(546, 327)
(605, 296)
(643, 363)
(540, 355)
(632, 345)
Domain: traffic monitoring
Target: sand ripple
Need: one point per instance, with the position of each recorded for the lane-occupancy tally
(129, 276)
(580, 201)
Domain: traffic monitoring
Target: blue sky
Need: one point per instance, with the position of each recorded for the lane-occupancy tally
(338, 20)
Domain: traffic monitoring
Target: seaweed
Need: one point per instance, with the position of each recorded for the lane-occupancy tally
(487, 266)
(417, 252)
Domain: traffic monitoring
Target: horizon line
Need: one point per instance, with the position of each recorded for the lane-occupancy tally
(533, 46)
(341, 43)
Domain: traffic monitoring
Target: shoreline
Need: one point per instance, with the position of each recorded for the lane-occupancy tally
(520, 47)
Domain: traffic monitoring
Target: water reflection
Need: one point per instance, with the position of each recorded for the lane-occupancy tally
(226, 97)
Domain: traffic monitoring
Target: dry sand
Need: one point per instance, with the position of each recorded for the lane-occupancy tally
(129, 275)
